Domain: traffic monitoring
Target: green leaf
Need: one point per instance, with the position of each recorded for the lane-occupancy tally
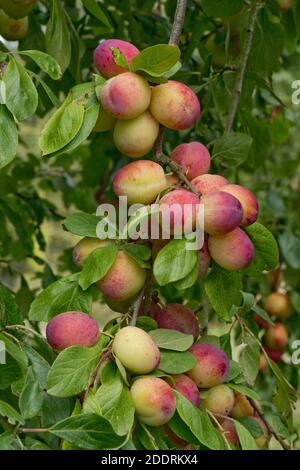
(284, 395)
(30, 401)
(222, 8)
(71, 369)
(62, 127)
(9, 310)
(232, 148)
(82, 224)
(247, 441)
(174, 262)
(223, 290)
(171, 339)
(45, 62)
(94, 8)
(57, 38)
(21, 94)
(140, 253)
(13, 363)
(249, 392)
(173, 362)
(252, 425)
(178, 426)
(264, 315)
(156, 60)
(267, 46)
(189, 280)
(146, 323)
(10, 413)
(88, 431)
(8, 137)
(89, 120)
(266, 249)
(199, 423)
(63, 295)
(97, 264)
(290, 247)
(6, 440)
(116, 405)
(249, 359)
(40, 367)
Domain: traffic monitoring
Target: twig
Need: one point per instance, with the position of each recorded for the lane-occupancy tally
(178, 22)
(136, 307)
(164, 159)
(33, 430)
(268, 426)
(238, 87)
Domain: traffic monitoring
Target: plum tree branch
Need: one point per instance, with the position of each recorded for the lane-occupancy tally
(238, 87)
(178, 22)
(136, 307)
(268, 426)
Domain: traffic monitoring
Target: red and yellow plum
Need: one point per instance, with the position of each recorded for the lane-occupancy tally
(70, 329)
(232, 251)
(184, 385)
(247, 199)
(175, 105)
(212, 365)
(154, 400)
(141, 181)
(136, 137)
(194, 159)
(219, 400)
(222, 212)
(125, 96)
(207, 183)
(104, 60)
(179, 210)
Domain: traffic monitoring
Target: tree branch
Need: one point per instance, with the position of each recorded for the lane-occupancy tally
(238, 87)
(268, 426)
(178, 22)
(136, 307)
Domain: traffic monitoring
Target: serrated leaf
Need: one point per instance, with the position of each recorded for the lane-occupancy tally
(88, 431)
(249, 359)
(266, 249)
(9, 310)
(232, 148)
(199, 423)
(69, 374)
(9, 412)
(247, 441)
(223, 289)
(62, 296)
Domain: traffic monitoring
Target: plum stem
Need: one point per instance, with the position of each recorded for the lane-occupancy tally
(268, 426)
(136, 307)
(245, 54)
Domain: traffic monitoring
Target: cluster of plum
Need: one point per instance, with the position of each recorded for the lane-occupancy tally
(14, 18)
(153, 397)
(279, 306)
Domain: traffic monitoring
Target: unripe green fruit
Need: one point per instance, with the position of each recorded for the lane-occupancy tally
(219, 400)
(136, 137)
(16, 9)
(136, 350)
(154, 400)
(12, 29)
